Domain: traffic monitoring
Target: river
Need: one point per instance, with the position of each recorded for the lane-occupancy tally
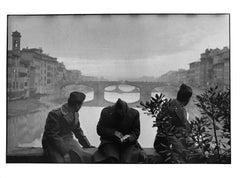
(26, 130)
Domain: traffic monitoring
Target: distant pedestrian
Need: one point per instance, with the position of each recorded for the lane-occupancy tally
(119, 129)
(61, 124)
(180, 123)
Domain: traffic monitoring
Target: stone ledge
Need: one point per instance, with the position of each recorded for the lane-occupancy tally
(35, 155)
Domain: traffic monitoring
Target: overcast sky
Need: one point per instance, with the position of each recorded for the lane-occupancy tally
(123, 46)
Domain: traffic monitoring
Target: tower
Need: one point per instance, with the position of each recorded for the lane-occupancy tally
(16, 36)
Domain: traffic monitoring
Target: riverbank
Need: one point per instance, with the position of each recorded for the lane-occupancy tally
(34, 104)
(26, 118)
(59, 101)
(25, 106)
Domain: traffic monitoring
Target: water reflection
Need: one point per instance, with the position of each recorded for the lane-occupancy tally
(85, 89)
(128, 97)
(89, 96)
(168, 91)
(126, 88)
(112, 93)
(88, 123)
(26, 130)
(110, 88)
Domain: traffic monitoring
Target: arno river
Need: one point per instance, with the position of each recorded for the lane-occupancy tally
(26, 130)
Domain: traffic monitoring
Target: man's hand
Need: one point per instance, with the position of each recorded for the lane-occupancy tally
(128, 139)
(125, 138)
(119, 135)
(67, 158)
(89, 147)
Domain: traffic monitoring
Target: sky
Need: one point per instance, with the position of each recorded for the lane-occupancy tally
(122, 46)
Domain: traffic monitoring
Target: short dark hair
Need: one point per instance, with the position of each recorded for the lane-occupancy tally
(184, 93)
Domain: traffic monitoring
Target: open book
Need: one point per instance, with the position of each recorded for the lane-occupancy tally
(124, 138)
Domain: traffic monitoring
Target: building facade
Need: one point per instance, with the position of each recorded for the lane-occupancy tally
(214, 68)
(221, 73)
(194, 73)
(175, 77)
(206, 65)
(73, 75)
(17, 71)
(30, 71)
(61, 72)
(43, 70)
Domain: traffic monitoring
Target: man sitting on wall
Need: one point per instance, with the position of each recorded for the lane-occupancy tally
(119, 129)
(178, 141)
(61, 123)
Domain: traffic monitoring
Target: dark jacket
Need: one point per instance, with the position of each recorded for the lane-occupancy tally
(180, 120)
(128, 124)
(108, 124)
(61, 124)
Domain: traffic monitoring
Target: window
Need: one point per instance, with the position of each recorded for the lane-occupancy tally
(21, 85)
(9, 85)
(15, 43)
(26, 84)
(16, 85)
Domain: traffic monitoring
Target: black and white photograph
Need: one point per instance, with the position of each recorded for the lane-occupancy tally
(118, 88)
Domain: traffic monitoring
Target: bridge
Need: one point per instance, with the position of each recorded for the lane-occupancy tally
(144, 88)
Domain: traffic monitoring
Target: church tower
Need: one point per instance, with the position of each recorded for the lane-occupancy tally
(16, 36)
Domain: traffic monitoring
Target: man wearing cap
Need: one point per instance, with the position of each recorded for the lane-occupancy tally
(181, 124)
(58, 143)
(119, 129)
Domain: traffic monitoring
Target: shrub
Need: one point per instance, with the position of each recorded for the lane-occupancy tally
(212, 130)
(210, 134)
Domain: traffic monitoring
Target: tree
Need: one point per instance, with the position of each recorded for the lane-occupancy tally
(159, 108)
(212, 130)
(210, 134)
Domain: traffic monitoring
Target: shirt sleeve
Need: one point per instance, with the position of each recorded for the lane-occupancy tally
(182, 115)
(82, 139)
(135, 129)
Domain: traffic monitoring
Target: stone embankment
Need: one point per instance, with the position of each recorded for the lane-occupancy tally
(35, 155)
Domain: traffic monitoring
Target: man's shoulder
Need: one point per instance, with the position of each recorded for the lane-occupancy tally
(56, 111)
(133, 112)
(176, 104)
(107, 110)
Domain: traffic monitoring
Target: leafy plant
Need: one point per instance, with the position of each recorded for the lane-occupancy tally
(159, 108)
(200, 135)
(212, 131)
(209, 139)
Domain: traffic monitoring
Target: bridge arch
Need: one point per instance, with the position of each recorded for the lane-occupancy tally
(145, 89)
(129, 93)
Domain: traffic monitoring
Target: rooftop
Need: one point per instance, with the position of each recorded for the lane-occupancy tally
(16, 34)
(39, 51)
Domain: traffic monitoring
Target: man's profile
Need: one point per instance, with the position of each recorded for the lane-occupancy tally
(61, 124)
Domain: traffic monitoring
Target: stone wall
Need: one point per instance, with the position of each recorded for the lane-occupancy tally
(35, 155)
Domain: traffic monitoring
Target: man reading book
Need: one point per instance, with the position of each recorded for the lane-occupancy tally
(119, 129)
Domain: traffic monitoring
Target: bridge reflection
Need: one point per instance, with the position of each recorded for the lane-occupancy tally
(143, 88)
(117, 89)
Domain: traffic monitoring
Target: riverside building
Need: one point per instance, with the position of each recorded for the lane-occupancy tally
(31, 72)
